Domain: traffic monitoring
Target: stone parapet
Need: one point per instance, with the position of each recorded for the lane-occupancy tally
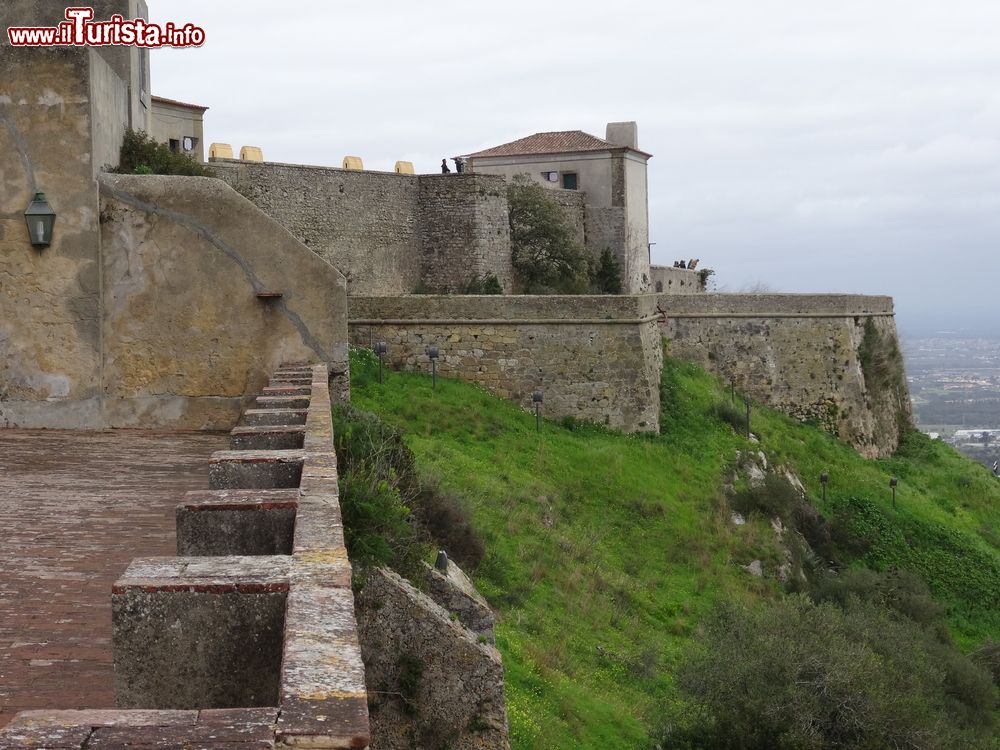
(249, 640)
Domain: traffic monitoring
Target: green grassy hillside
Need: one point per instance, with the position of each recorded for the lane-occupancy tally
(607, 553)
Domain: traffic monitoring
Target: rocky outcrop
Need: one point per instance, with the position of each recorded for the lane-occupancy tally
(432, 682)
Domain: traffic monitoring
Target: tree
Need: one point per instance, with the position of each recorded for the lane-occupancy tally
(797, 675)
(544, 253)
(606, 276)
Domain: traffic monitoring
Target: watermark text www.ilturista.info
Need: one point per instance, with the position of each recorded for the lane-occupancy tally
(80, 30)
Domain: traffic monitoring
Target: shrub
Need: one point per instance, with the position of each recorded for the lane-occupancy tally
(391, 516)
(376, 493)
(606, 275)
(728, 413)
(487, 284)
(775, 496)
(796, 674)
(543, 250)
(142, 154)
(446, 518)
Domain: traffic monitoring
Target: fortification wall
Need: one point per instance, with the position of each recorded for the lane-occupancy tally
(366, 224)
(669, 280)
(464, 230)
(833, 359)
(388, 233)
(596, 358)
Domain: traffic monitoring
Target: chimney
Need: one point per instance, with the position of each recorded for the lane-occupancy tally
(623, 134)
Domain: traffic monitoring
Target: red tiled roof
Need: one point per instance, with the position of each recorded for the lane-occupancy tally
(174, 102)
(556, 142)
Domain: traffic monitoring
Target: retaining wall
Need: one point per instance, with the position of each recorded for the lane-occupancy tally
(594, 357)
(798, 353)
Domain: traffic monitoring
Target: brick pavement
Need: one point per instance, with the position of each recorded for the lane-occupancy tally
(75, 508)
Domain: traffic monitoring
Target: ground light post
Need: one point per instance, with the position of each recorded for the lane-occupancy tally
(747, 402)
(536, 399)
(380, 350)
(892, 483)
(824, 479)
(433, 352)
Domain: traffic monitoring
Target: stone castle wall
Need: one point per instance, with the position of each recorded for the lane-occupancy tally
(799, 354)
(464, 230)
(669, 280)
(599, 358)
(596, 358)
(387, 233)
(366, 224)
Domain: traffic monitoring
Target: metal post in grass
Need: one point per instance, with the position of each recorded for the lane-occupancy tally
(732, 390)
(380, 350)
(747, 402)
(433, 352)
(824, 479)
(441, 563)
(536, 399)
(892, 484)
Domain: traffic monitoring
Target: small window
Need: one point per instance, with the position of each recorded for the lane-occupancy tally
(175, 145)
(659, 286)
(569, 180)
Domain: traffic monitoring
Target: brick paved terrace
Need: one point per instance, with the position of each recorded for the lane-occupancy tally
(76, 508)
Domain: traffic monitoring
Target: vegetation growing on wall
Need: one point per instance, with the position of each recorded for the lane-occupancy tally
(608, 556)
(142, 154)
(881, 361)
(543, 251)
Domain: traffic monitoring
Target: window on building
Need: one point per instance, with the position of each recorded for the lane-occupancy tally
(569, 180)
(659, 286)
(175, 145)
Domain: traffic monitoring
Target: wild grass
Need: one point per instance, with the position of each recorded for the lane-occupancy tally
(605, 553)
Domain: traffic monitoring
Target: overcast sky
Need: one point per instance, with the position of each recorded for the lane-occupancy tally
(841, 146)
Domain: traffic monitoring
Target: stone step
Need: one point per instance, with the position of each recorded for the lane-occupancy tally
(261, 417)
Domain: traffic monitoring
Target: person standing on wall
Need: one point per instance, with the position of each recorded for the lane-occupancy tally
(444, 167)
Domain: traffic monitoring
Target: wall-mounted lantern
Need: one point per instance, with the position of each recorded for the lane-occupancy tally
(40, 219)
(380, 349)
(824, 479)
(536, 399)
(433, 352)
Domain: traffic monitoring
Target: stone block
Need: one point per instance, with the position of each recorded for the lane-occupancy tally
(267, 437)
(237, 522)
(195, 632)
(273, 417)
(255, 470)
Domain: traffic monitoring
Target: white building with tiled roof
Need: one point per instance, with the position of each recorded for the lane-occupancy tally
(610, 174)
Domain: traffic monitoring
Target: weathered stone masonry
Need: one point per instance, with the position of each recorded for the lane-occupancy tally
(233, 645)
(600, 358)
(596, 358)
(389, 233)
(798, 353)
